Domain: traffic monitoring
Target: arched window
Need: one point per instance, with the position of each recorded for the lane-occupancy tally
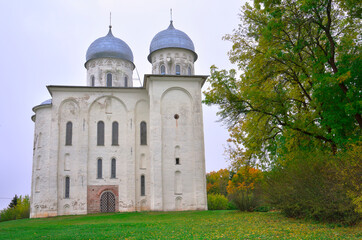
(109, 80)
(143, 161)
(37, 164)
(92, 81)
(67, 162)
(125, 81)
(143, 187)
(67, 186)
(114, 133)
(100, 133)
(143, 133)
(113, 168)
(68, 134)
(99, 168)
(178, 183)
(37, 182)
(189, 70)
(178, 69)
(163, 69)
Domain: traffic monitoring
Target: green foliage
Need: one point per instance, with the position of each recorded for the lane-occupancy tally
(262, 208)
(13, 202)
(217, 182)
(309, 186)
(20, 210)
(300, 64)
(217, 202)
(349, 173)
(298, 96)
(231, 206)
(244, 189)
(174, 225)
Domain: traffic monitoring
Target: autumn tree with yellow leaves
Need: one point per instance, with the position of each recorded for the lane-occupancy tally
(294, 105)
(244, 188)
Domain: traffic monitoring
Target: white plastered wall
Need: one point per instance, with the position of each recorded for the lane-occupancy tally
(163, 97)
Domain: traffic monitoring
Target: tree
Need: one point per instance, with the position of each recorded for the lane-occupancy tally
(18, 208)
(217, 182)
(300, 82)
(244, 188)
(14, 202)
(296, 107)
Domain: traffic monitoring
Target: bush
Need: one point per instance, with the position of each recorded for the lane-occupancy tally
(262, 209)
(309, 187)
(349, 164)
(246, 200)
(20, 210)
(244, 188)
(217, 202)
(231, 206)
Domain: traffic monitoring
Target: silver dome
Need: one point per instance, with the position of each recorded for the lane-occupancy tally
(46, 102)
(109, 47)
(171, 38)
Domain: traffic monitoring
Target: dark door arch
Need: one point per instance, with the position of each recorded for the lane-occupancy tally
(108, 202)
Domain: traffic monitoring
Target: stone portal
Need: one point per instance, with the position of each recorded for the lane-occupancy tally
(108, 202)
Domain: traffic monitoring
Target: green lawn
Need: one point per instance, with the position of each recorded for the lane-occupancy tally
(175, 225)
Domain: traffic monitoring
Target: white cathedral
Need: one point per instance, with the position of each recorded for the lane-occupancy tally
(112, 147)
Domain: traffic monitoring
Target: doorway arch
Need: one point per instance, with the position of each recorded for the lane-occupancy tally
(108, 202)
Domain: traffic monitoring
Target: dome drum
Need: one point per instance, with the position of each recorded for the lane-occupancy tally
(164, 61)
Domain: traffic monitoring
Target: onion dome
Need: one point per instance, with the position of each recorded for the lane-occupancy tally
(109, 47)
(171, 38)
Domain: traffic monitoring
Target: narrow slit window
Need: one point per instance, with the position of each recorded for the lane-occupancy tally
(114, 133)
(177, 161)
(109, 80)
(143, 133)
(92, 81)
(178, 69)
(163, 69)
(67, 187)
(99, 168)
(113, 168)
(68, 133)
(143, 190)
(125, 81)
(100, 133)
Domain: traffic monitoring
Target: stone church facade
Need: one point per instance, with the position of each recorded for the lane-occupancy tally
(109, 146)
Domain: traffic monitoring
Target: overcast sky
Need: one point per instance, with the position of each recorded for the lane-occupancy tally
(44, 43)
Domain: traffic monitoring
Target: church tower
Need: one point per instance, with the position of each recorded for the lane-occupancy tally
(177, 151)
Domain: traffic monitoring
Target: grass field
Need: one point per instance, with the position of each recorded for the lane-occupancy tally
(175, 225)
